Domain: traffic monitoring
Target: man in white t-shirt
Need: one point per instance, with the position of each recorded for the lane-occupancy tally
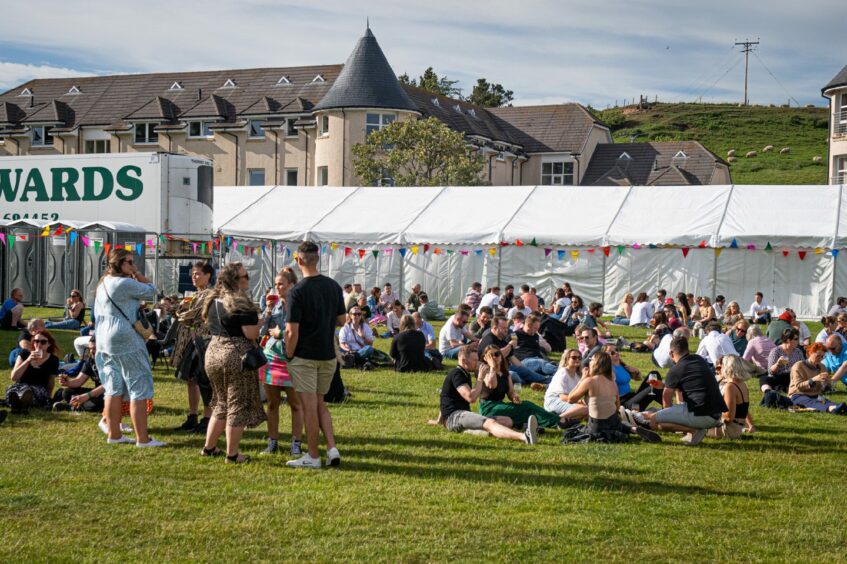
(715, 344)
(518, 307)
(642, 312)
(662, 354)
(491, 299)
(760, 311)
(454, 335)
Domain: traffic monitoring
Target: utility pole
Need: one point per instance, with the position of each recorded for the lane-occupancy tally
(748, 46)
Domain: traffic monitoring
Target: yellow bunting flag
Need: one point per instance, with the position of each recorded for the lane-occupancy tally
(575, 255)
(414, 249)
(818, 251)
(46, 232)
(333, 246)
(718, 251)
(492, 251)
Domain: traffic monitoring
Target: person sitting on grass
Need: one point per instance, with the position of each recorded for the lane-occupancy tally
(639, 399)
(759, 347)
(809, 378)
(835, 359)
(473, 297)
(518, 322)
(733, 314)
(376, 307)
(564, 381)
(593, 319)
(662, 339)
(24, 337)
(454, 335)
(482, 322)
(90, 399)
(691, 380)
(408, 348)
(12, 310)
(624, 310)
(457, 396)
(499, 335)
(431, 350)
(738, 335)
(34, 374)
(74, 313)
(392, 321)
(367, 312)
(532, 349)
(604, 422)
(519, 306)
(732, 379)
(780, 361)
(497, 386)
(429, 310)
(356, 336)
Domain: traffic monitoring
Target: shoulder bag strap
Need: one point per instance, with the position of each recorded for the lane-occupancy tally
(114, 304)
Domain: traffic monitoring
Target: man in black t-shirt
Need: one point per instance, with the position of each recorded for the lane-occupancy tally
(315, 309)
(702, 403)
(457, 396)
(499, 335)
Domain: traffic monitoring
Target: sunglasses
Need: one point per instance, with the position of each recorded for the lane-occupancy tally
(40, 341)
(574, 357)
(495, 353)
(356, 313)
(614, 353)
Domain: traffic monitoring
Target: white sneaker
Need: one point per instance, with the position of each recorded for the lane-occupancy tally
(692, 439)
(626, 417)
(103, 426)
(123, 440)
(531, 433)
(333, 457)
(151, 443)
(305, 461)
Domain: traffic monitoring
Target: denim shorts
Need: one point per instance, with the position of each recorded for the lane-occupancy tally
(557, 406)
(678, 414)
(126, 375)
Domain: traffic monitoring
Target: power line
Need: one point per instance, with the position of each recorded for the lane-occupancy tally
(721, 77)
(748, 47)
(784, 89)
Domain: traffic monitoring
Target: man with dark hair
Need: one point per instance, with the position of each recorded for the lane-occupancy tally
(491, 299)
(589, 343)
(839, 307)
(507, 300)
(498, 335)
(457, 396)
(482, 321)
(430, 311)
(692, 380)
(413, 302)
(473, 296)
(531, 348)
(315, 309)
(760, 311)
(529, 299)
(454, 335)
(715, 344)
(12, 310)
(661, 296)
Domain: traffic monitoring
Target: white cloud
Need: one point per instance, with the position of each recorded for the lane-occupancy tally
(13, 74)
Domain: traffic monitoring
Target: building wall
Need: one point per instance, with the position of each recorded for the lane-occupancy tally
(838, 140)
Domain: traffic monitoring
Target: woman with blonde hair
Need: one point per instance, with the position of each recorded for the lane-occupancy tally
(624, 311)
(733, 314)
(274, 375)
(121, 357)
(233, 322)
(732, 379)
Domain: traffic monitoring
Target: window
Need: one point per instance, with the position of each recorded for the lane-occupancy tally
(324, 129)
(256, 176)
(199, 129)
(319, 78)
(472, 113)
(41, 136)
(435, 102)
(256, 129)
(290, 130)
(229, 83)
(375, 122)
(291, 177)
(680, 155)
(624, 157)
(98, 146)
(144, 133)
(25, 92)
(323, 175)
(385, 178)
(176, 86)
(840, 171)
(74, 90)
(557, 173)
(284, 81)
(842, 110)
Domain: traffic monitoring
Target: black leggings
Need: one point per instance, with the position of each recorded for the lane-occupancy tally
(639, 400)
(778, 381)
(65, 394)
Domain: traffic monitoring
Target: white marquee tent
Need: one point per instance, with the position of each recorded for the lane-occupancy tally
(605, 241)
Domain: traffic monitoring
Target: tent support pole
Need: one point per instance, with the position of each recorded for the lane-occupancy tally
(714, 276)
(834, 243)
(604, 278)
(156, 263)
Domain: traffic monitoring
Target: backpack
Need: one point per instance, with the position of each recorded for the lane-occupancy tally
(337, 392)
(554, 332)
(774, 400)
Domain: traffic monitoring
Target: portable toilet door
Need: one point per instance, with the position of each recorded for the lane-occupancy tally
(92, 262)
(131, 240)
(24, 266)
(60, 268)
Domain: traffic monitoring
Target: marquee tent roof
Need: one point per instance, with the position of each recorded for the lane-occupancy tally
(784, 216)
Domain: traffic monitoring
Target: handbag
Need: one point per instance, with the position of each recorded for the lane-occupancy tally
(141, 325)
(253, 359)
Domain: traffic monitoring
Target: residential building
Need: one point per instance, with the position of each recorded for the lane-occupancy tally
(836, 92)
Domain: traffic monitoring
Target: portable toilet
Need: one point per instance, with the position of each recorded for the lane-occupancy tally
(91, 245)
(60, 262)
(24, 266)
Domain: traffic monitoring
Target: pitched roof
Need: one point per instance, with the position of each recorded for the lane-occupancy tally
(839, 79)
(211, 106)
(56, 111)
(107, 100)
(651, 164)
(10, 113)
(542, 129)
(158, 108)
(366, 81)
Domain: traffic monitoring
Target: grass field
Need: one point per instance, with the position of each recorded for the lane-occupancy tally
(410, 492)
(721, 127)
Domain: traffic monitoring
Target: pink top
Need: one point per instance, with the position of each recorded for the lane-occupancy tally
(757, 351)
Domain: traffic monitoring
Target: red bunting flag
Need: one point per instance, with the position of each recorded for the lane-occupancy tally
(106, 247)
(426, 247)
(802, 254)
(60, 230)
(518, 243)
(685, 251)
(785, 253)
(591, 251)
(347, 251)
(504, 244)
(361, 253)
(606, 251)
(702, 244)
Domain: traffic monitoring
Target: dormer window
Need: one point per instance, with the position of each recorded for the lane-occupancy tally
(457, 108)
(74, 90)
(25, 92)
(472, 113)
(283, 81)
(229, 83)
(435, 102)
(41, 136)
(624, 157)
(319, 78)
(680, 155)
(176, 86)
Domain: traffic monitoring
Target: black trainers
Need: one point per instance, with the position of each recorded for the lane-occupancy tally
(20, 403)
(61, 406)
(367, 367)
(189, 425)
(201, 427)
(567, 423)
(647, 435)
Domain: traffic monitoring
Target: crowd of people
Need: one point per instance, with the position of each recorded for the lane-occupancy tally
(238, 358)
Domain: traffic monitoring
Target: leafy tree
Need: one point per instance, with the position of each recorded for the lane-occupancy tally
(430, 81)
(417, 152)
(490, 95)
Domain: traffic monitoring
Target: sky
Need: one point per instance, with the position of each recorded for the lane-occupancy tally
(597, 52)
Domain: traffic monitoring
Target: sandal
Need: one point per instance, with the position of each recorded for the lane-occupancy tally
(237, 458)
(214, 451)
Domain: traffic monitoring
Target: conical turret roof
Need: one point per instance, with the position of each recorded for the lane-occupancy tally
(366, 81)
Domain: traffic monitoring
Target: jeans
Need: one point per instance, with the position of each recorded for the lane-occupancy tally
(365, 352)
(762, 319)
(64, 324)
(453, 353)
(540, 365)
(620, 320)
(523, 375)
(87, 330)
(811, 402)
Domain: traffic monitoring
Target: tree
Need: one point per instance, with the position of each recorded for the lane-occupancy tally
(490, 95)
(417, 152)
(430, 81)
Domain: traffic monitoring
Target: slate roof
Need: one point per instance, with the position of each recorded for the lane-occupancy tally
(839, 79)
(10, 113)
(545, 129)
(651, 164)
(367, 81)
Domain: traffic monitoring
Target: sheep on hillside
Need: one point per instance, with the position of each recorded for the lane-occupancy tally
(816, 159)
(767, 149)
(751, 154)
(785, 150)
(730, 153)
(731, 159)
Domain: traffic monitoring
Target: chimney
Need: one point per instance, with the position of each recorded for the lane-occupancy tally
(32, 101)
(199, 94)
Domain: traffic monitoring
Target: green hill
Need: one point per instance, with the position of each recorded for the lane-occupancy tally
(721, 127)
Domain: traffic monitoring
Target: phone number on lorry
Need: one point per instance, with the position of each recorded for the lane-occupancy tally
(45, 216)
